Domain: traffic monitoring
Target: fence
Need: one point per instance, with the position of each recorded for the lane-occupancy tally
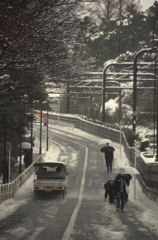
(8, 190)
(62, 124)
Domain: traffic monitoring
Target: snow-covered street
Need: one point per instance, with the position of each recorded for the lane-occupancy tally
(140, 213)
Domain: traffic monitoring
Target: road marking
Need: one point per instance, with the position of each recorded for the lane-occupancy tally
(70, 226)
(68, 231)
(36, 233)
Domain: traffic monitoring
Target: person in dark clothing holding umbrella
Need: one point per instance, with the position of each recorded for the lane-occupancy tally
(27, 157)
(121, 181)
(109, 155)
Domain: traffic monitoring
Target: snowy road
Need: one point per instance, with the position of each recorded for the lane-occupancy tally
(83, 214)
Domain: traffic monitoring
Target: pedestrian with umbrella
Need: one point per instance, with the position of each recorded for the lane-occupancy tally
(129, 171)
(121, 181)
(109, 155)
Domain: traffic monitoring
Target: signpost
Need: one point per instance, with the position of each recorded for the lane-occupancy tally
(45, 121)
(121, 124)
(137, 145)
(8, 149)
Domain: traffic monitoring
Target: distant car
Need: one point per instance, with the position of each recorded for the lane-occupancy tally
(50, 177)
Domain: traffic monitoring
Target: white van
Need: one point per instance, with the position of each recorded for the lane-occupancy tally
(49, 177)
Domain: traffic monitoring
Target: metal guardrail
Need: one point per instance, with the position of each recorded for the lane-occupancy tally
(8, 190)
(61, 124)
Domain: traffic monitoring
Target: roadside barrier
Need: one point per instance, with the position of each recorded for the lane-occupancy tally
(8, 190)
(61, 124)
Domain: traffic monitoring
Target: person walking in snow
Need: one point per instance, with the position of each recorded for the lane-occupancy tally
(109, 155)
(121, 181)
(110, 190)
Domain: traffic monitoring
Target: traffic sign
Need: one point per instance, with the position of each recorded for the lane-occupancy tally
(40, 114)
(8, 146)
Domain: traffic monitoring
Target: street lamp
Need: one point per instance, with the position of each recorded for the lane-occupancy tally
(40, 145)
(23, 100)
(46, 120)
(114, 64)
(58, 109)
(4, 147)
(41, 115)
(148, 50)
(32, 117)
(104, 85)
(68, 97)
(20, 146)
(31, 132)
(47, 127)
(120, 110)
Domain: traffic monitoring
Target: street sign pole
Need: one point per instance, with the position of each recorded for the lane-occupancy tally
(9, 148)
(137, 145)
(9, 166)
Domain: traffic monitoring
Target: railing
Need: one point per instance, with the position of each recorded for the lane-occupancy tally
(61, 124)
(8, 190)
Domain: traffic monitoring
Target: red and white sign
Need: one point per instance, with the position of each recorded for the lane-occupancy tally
(8, 146)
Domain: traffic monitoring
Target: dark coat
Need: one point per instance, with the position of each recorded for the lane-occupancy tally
(108, 151)
(27, 158)
(129, 177)
(110, 190)
(121, 179)
(110, 185)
